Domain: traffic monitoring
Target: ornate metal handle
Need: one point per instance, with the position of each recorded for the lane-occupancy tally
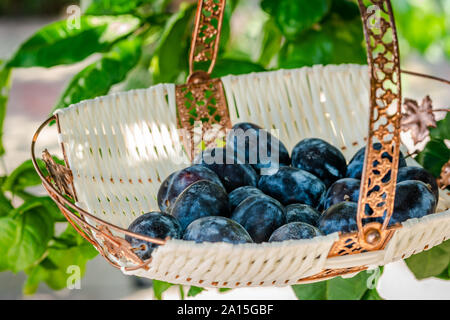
(377, 193)
(206, 35)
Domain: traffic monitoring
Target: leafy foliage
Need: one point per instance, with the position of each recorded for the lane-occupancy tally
(431, 263)
(355, 288)
(139, 43)
(59, 43)
(436, 153)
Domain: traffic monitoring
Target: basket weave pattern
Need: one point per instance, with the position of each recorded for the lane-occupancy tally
(125, 144)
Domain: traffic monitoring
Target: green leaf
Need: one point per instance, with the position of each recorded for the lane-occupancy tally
(159, 287)
(430, 263)
(115, 7)
(108, 7)
(24, 238)
(336, 289)
(193, 291)
(45, 204)
(97, 78)
(5, 85)
(23, 176)
(61, 43)
(372, 294)
(294, 17)
(171, 55)
(434, 156)
(232, 66)
(337, 42)
(221, 290)
(442, 130)
(271, 42)
(54, 269)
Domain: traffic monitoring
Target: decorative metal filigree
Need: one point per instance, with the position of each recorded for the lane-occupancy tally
(330, 273)
(205, 39)
(382, 152)
(202, 114)
(116, 246)
(61, 175)
(350, 243)
(444, 177)
(418, 118)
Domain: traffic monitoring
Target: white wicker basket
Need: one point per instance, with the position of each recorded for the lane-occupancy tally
(120, 147)
(132, 136)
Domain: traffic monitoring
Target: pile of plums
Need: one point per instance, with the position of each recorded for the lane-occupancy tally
(240, 194)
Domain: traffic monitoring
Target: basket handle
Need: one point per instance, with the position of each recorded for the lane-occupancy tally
(378, 182)
(206, 37)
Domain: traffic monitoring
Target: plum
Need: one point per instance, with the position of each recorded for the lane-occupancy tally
(294, 231)
(356, 164)
(298, 212)
(232, 173)
(346, 189)
(216, 229)
(418, 173)
(319, 158)
(291, 185)
(201, 199)
(153, 224)
(413, 199)
(240, 194)
(175, 183)
(260, 215)
(256, 146)
(339, 217)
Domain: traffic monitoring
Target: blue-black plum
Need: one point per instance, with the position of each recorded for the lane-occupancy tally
(260, 215)
(319, 158)
(413, 199)
(175, 183)
(152, 224)
(418, 173)
(294, 231)
(297, 212)
(256, 146)
(216, 229)
(201, 199)
(356, 164)
(346, 189)
(240, 194)
(291, 185)
(232, 173)
(339, 217)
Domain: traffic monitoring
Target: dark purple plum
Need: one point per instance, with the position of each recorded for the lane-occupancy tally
(356, 164)
(256, 146)
(260, 215)
(291, 185)
(216, 229)
(175, 183)
(346, 189)
(294, 231)
(418, 173)
(302, 213)
(152, 224)
(413, 199)
(319, 158)
(201, 199)
(339, 217)
(240, 194)
(232, 173)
